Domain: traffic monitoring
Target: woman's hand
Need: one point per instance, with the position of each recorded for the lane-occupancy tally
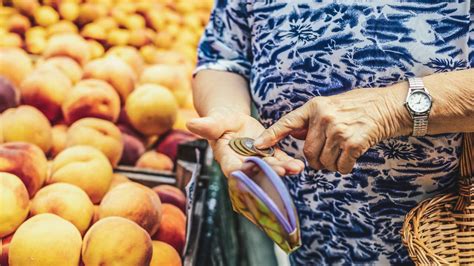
(223, 124)
(339, 129)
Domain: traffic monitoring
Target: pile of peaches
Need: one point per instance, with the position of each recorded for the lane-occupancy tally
(85, 86)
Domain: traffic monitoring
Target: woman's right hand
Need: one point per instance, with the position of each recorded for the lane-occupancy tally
(223, 124)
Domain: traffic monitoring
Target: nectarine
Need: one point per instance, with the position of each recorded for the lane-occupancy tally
(155, 161)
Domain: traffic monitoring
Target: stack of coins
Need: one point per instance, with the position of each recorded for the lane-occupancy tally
(245, 147)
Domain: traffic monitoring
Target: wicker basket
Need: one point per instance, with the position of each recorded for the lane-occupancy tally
(441, 230)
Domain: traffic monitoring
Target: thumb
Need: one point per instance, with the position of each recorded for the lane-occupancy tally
(210, 127)
(293, 121)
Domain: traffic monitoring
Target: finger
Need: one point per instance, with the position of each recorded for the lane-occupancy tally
(294, 120)
(313, 145)
(211, 127)
(228, 160)
(299, 134)
(346, 162)
(329, 155)
(291, 165)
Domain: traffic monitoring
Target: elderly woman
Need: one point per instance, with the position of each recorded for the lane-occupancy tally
(371, 95)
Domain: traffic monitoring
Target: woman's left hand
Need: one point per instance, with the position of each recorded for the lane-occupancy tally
(339, 129)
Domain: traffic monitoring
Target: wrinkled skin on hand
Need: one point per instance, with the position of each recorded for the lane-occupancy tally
(223, 124)
(339, 129)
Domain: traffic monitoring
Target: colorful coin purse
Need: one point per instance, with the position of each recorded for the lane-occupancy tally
(259, 194)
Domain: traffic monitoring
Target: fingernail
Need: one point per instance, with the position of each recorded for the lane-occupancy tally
(258, 143)
(294, 165)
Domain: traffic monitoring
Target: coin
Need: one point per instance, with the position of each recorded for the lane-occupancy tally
(237, 149)
(245, 147)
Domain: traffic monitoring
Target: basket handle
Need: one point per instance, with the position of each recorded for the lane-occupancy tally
(466, 178)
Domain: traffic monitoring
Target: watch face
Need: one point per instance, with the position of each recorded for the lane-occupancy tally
(419, 102)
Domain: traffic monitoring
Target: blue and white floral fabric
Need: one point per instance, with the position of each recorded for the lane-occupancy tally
(291, 51)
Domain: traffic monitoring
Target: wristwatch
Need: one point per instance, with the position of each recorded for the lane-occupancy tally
(418, 103)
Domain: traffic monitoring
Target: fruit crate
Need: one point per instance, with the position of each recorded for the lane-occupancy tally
(190, 175)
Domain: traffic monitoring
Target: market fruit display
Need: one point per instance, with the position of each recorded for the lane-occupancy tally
(86, 86)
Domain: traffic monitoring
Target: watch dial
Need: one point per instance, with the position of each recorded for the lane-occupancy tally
(419, 102)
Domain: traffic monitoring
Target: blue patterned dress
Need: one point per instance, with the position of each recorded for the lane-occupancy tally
(291, 51)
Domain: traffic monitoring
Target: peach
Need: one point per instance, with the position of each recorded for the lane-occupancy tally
(68, 66)
(94, 31)
(170, 142)
(35, 45)
(164, 254)
(18, 24)
(184, 115)
(67, 201)
(26, 7)
(45, 239)
(171, 195)
(26, 123)
(69, 10)
(68, 44)
(85, 167)
(96, 49)
(98, 133)
(9, 95)
(133, 148)
(151, 109)
(4, 249)
(118, 179)
(129, 55)
(116, 241)
(140, 37)
(36, 31)
(173, 227)
(26, 161)
(59, 133)
(62, 27)
(89, 12)
(135, 202)
(115, 71)
(15, 65)
(134, 22)
(95, 217)
(45, 16)
(107, 23)
(155, 161)
(116, 37)
(91, 98)
(14, 204)
(46, 88)
(163, 40)
(11, 40)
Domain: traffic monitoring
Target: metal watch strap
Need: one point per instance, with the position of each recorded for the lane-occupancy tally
(420, 122)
